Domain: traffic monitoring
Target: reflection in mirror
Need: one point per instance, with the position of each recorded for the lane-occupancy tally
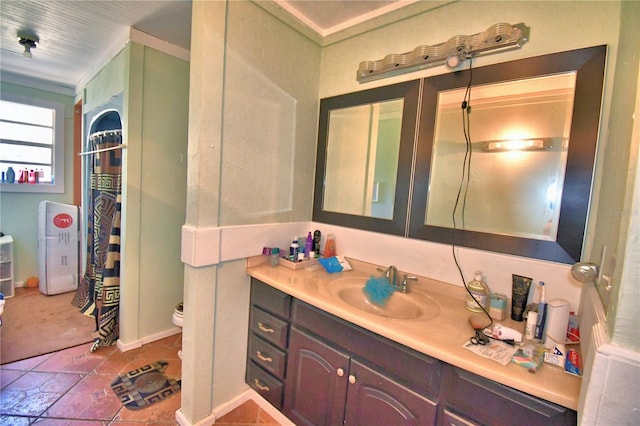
(365, 150)
(532, 202)
(519, 137)
(362, 159)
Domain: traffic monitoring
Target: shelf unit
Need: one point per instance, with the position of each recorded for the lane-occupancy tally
(6, 266)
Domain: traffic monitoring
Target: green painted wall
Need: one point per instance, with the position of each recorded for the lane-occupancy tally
(19, 211)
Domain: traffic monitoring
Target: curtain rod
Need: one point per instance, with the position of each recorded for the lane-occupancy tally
(122, 145)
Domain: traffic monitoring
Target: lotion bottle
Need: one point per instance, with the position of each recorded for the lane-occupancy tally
(480, 291)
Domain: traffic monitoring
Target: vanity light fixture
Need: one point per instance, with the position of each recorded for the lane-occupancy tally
(515, 145)
(496, 38)
(28, 40)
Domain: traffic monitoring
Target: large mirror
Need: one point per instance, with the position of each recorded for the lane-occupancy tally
(363, 166)
(514, 174)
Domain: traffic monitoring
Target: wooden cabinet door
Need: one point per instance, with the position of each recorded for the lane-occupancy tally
(374, 399)
(316, 383)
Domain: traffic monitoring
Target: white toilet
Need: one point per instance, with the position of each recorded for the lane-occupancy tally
(177, 320)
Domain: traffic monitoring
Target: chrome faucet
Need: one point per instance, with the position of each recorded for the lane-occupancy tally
(391, 274)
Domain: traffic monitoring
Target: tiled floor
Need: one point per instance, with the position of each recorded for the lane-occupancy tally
(72, 387)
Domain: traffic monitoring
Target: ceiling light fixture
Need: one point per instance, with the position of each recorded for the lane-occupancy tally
(28, 41)
(496, 38)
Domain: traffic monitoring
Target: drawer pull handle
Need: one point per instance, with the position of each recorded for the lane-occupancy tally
(340, 372)
(262, 357)
(260, 386)
(265, 328)
(352, 378)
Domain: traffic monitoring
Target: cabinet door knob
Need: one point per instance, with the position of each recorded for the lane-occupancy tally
(340, 372)
(352, 378)
(265, 328)
(262, 357)
(260, 386)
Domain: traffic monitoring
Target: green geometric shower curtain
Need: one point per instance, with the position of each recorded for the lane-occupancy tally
(98, 293)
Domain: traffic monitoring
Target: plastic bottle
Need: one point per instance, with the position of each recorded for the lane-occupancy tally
(480, 291)
(293, 250)
(317, 236)
(330, 246)
(11, 175)
(530, 328)
(542, 313)
(275, 256)
(308, 247)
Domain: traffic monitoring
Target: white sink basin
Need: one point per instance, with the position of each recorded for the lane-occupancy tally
(414, 305)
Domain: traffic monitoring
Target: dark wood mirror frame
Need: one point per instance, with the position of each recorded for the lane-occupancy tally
(408, 91)
(589, 64)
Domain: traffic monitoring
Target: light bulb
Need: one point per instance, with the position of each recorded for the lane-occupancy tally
(27, 52)
(453, 61)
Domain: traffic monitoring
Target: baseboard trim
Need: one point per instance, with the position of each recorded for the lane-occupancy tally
(232, 404)
(183, 421)
(124, 347)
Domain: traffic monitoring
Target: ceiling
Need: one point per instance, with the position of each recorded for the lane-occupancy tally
(77, 38)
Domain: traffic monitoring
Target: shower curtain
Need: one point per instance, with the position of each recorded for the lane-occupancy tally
(98, 293)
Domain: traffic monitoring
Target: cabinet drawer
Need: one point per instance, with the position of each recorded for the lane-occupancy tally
(269, 327)
(483, 401)
(270, 299)
(267, 386)
(267, 356)
(451, 419)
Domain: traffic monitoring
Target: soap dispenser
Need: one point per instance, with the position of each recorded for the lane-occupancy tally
(480, 292)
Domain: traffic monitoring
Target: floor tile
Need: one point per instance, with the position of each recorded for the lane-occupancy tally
(8, 376)
(15, 421)
(72, 387)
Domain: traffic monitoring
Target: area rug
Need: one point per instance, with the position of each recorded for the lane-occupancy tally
(145, 386)
(34, 324)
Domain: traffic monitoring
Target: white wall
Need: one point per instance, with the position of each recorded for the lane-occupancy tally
(252, 133)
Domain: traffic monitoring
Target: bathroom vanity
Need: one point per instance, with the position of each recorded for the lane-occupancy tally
(320, 359)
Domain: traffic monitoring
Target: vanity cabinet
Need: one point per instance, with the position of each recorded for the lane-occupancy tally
(326, 386)
(468, 399)
(268, 340)
(321, 370)
(338, 372)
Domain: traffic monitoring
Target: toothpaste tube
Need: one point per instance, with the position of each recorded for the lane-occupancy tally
(573, 363)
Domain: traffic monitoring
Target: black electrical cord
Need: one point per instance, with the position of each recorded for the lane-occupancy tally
(463, 189)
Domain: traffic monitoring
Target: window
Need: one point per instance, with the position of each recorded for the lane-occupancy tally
(31, 144)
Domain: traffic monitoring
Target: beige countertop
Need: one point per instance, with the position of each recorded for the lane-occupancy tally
(441, 337)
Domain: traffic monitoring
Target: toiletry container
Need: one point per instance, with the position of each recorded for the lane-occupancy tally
(308, 247)
(498, 307)
(330, 246)
(11, 175)
(480, 292)
(293, 250)
(275, 256)
(530, 328)
(557, 322)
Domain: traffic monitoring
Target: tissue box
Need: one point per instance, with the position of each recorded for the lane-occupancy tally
(297, 265)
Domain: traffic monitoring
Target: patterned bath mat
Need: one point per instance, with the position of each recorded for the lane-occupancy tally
(144, 386)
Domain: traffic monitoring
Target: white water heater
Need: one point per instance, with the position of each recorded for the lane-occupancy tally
(58, 247)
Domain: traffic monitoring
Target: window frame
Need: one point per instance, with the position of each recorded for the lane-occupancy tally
(57, 187)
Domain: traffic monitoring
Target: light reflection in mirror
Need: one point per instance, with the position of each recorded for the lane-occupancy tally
(510, 192)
